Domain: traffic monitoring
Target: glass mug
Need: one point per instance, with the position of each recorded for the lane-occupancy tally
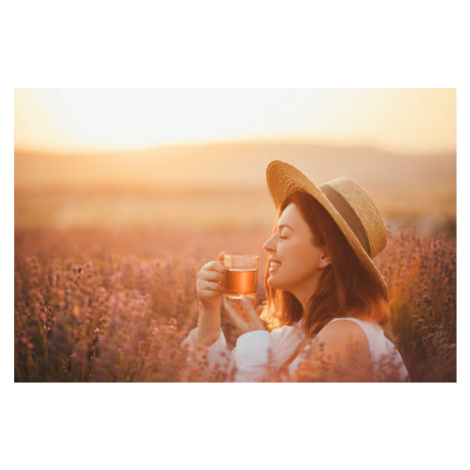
(240, 276)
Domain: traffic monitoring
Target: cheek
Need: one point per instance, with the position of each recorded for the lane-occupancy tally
(304, 260)
(295, 251)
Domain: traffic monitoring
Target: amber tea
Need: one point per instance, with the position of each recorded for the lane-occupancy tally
(241, 276)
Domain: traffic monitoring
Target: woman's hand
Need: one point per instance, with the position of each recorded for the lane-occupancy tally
(247, 319)
(210, 283)
(209, 288)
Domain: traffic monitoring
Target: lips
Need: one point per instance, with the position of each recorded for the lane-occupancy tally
(274, 266)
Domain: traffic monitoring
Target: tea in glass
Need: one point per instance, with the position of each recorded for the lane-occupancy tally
(240, 275)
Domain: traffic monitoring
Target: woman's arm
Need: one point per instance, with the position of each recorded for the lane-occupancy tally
(209, 288)
(208, 355)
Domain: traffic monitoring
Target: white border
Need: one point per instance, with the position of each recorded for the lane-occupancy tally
(207, 44)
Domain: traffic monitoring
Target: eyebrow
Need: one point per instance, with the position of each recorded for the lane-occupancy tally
(280, 227)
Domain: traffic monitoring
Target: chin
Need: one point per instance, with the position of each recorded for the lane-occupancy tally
(274, 284)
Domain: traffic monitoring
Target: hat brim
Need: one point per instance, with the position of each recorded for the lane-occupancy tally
(284, 179)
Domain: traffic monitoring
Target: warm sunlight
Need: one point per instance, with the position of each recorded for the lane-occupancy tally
(404, 120)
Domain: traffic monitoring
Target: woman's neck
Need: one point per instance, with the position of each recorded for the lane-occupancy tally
(303, 295)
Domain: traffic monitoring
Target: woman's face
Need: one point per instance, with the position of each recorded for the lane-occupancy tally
(295, 263)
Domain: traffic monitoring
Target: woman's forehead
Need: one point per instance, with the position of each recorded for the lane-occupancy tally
(291, 217)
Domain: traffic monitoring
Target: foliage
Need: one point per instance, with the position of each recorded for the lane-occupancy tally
(114, 306)
(422, 276)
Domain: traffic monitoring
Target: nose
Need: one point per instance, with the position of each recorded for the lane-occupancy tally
(269, 245)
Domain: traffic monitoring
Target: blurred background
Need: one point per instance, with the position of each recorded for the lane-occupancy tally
(196, 158)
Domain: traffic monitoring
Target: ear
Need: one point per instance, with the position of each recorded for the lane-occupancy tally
(325, 258)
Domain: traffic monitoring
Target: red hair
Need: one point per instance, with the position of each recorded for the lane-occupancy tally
(345, 288)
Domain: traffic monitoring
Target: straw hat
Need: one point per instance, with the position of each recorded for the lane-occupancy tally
(347, 203)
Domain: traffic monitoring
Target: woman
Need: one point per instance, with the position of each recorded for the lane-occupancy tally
(324, 292)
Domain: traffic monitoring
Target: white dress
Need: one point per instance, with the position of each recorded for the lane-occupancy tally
(257, 353)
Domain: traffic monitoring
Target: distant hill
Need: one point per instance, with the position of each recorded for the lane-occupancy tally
(400, 184)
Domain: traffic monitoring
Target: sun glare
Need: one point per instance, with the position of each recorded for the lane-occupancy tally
(414, 120)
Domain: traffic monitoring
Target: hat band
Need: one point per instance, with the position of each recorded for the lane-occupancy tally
(348, 214)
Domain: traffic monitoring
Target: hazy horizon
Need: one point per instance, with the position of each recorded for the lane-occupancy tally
(273, 140)
(219, 184)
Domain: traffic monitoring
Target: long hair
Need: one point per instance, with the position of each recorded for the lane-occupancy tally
(345, 287)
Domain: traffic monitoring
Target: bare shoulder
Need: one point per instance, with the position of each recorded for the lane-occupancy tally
(345, 347)
(339, 333)
(342, 350)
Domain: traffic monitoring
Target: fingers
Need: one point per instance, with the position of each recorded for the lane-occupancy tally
(210, 280)
(210, 276)
(234, 316)
(213, 266)
(248, 306)
(220, 257)
(251, 322)
(255, 320)
(210, 286)
(209, 289)
(212, 271)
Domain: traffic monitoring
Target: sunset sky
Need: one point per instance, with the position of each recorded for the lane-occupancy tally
(75, 120)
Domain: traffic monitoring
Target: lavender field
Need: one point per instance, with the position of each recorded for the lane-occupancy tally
(102, 305)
